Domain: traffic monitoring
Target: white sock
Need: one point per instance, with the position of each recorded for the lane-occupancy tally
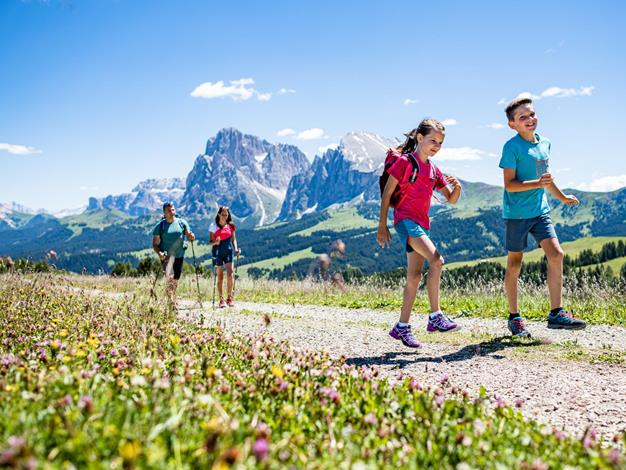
(402, 325)
(432, 315)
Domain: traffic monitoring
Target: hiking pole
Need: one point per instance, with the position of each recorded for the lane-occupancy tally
(195, 267)
(157, 274)
(214, 283)
(235, 275)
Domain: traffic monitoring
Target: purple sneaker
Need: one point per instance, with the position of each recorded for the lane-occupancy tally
(440, 323)
(404, 334)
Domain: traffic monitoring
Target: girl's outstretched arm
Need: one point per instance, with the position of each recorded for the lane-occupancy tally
(383, 237)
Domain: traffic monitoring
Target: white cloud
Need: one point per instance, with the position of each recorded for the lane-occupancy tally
(285, 132)
(449, 122)
(88, 188)
(409, 101)
(284, 91)
(311, 134)
(605, 183)
(459, 153)
(554, 92)
(238, 90)
(495, 125)
(16, 149)
(327, 147)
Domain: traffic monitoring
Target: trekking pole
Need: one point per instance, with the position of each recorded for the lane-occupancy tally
(235, 276)
(195, 267)
(156, 278)
(214, 284)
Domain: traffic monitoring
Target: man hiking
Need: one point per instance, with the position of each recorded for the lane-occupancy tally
(168, 241)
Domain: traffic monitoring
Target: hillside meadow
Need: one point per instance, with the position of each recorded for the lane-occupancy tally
(93, 381)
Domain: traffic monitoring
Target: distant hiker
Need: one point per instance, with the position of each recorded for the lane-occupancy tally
(222, 237)
(407, 184)
(525, 163)
(168, 241)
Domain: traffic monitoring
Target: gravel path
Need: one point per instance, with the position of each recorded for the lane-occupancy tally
(568, 379)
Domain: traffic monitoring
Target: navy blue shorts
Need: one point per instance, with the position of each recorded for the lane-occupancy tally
(220, 259)
(517, 231)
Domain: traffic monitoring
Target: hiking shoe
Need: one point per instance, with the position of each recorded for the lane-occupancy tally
(440, 323)
(517, 327)
(222, 303)
(563, 320)
(229, 302)
(404, 334)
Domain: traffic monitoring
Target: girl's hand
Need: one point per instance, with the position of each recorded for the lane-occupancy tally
(383, 237)
(453, 181)
(191, 236)
(238, 251)
(570, 200)
(217, 240)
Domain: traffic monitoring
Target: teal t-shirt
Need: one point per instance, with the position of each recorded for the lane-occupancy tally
(172, 236)
(529, 160)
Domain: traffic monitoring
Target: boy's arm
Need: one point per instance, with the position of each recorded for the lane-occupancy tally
(383, 237)
(567, 199)
(513, 185)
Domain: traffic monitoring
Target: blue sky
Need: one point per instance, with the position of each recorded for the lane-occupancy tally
(97, 95)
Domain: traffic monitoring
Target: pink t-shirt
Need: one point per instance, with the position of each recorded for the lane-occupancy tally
(224, 233)
(415, 197)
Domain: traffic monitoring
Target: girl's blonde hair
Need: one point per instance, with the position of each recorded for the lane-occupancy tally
(425, 127)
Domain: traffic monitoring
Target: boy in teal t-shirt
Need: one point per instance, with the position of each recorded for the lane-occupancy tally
(168, 241)
(525, 164)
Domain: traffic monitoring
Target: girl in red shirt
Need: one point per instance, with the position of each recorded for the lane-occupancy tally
(222, 237)
(417, 180)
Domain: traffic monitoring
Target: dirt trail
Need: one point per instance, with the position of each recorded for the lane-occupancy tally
(568, 379)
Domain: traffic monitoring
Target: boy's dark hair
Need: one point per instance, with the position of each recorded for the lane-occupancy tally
(229, 219)
(513, 105)
(426, 127)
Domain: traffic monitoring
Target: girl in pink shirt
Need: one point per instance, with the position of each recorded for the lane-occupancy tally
(417, 178)
(222, 237)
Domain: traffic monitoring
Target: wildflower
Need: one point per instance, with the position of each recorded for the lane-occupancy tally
(519, 403)
(615, 457)
(130, 450)
(370, 418)
(261, 449)
(262, 430)
(479, 426)
(414, 385)
(65, 401)
(560, 435)
(589, 439)
(278, 372)
(113, 352)
(86, 402)
(439, 400)
(444, 379)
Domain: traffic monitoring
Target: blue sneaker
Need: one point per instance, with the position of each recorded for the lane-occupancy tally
(517, 327)
(563, 320)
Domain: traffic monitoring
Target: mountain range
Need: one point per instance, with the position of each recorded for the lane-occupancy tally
(265, 184)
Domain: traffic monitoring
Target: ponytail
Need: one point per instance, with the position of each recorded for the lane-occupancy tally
(426, 127)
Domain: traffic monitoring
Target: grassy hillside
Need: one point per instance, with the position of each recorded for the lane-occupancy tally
(97, 219)
(346, 218)
(571, 248)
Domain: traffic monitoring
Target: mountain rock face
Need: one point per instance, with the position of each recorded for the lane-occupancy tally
(346, 174)
(248, 174)
(145, 198)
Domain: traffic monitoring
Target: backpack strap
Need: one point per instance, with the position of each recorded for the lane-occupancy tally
(415, 170)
